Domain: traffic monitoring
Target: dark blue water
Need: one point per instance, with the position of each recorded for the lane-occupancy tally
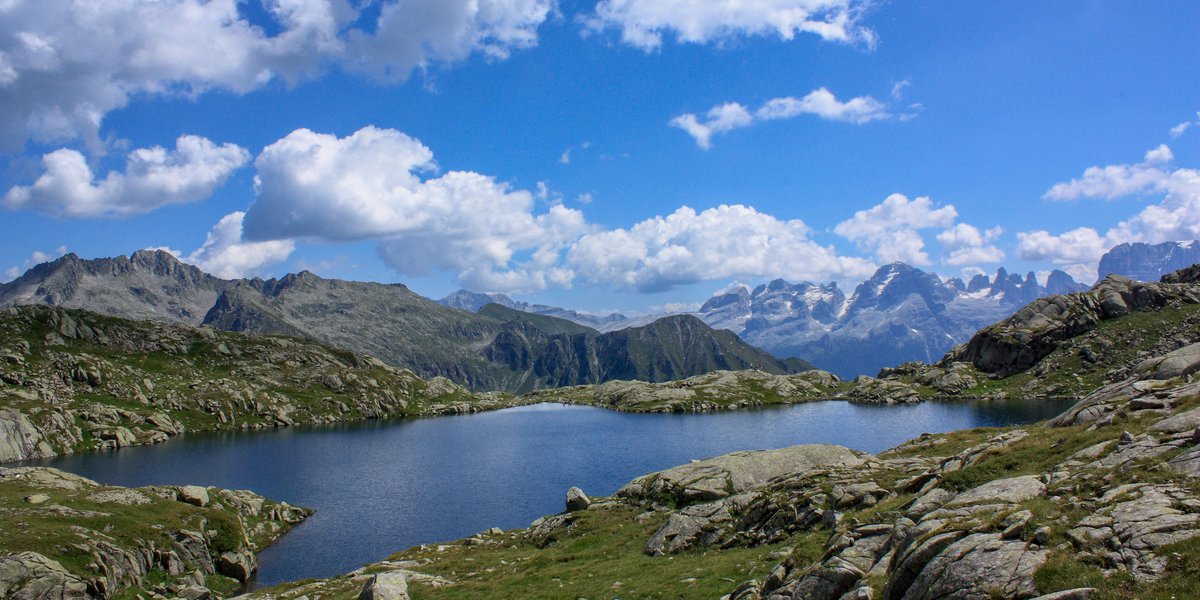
(382, 487)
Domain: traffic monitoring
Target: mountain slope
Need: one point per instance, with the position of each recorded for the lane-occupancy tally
(665, 350)
(72, 380)
(500, 349)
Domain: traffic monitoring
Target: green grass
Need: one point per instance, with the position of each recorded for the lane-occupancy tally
(600, 558)
(1181, 580)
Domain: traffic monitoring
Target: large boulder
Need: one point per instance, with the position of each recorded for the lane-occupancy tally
(577, 500)
(194, 495)
(738, 472)
(239, 565)
(389, 585)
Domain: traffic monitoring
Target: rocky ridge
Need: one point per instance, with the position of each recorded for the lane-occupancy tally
(75, 381)
(64, 536)
(388, 322)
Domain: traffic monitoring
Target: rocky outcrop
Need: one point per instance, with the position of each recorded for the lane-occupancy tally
(1020, 341)
(720, 390)
(735, 473)
(20, 439)
(124, 532)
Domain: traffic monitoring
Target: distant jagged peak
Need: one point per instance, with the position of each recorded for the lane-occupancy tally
(148, 262)
(1149, 262)
(473, 301)
(978, 283)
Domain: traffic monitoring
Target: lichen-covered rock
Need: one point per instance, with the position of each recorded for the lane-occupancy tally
(1176, 363)
(1010, 491)
(32, 576)
(20, 439)
(980, 567)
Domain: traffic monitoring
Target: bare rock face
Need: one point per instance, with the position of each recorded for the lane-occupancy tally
(1177, 363)
(20, 439)
(978, 567)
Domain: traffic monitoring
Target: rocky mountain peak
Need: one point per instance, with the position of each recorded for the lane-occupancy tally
(1061, 283)
(738, 297)
(978, 283)
(1149, 262)
(893, 284)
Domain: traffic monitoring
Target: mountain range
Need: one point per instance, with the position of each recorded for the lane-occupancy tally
(492, 342)
(900, 314)
(493, 351)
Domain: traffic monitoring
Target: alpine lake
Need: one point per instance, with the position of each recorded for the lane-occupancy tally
(382, 486)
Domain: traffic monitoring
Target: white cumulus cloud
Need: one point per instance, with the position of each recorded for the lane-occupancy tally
(1115, 181)
(820, 102)
(719, 119)
(412, 34)
(723, 242)
(65, 64)
(225, 254)
(967, 245)
(643, 23)
(369, 185)
(890, 230)
(153, 178)
(1175, 217)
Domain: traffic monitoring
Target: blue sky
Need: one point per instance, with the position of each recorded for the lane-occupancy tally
(626, 154)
